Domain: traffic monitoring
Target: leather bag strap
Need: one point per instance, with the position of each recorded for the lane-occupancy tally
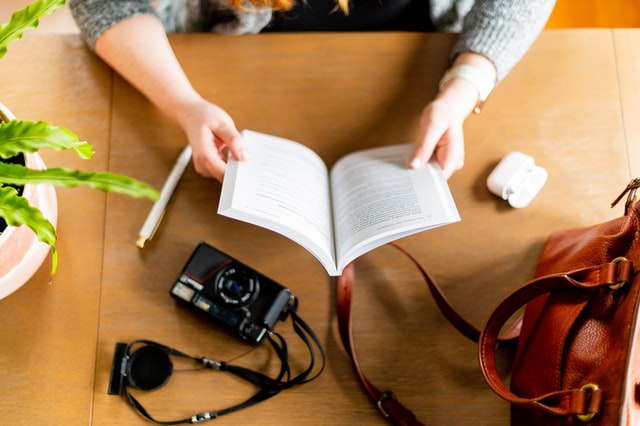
(386, 402)
(577, 401)
(568, 402)
(393, 410)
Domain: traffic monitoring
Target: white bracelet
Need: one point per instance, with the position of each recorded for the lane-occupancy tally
(473, 75)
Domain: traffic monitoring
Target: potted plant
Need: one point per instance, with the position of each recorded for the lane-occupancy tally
(28, 208)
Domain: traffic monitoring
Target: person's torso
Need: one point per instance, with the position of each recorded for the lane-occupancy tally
(364, 15)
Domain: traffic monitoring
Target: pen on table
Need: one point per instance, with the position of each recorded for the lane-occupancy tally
(157, 211)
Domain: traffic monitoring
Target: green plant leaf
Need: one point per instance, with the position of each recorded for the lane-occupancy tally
(17, 211)
(109, 182)
(25, 19)
(19, 136)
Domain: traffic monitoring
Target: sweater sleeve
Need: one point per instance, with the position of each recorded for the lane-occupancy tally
(503, 30)
(94, 17)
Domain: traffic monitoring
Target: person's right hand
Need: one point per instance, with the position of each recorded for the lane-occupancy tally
(139, 50)
(212, 135)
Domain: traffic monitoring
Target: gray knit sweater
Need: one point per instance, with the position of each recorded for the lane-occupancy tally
(502, 30)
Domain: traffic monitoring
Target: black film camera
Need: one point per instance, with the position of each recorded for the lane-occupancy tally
(231, 292)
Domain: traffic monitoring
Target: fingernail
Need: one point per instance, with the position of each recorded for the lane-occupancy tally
(415, 163)
(242, 155)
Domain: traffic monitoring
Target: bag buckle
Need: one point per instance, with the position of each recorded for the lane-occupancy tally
(386, 396)
(586, 417)
(620, 282)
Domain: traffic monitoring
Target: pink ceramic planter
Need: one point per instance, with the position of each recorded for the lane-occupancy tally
(21, 254)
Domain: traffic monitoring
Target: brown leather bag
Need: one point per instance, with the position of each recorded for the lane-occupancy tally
(577, 360)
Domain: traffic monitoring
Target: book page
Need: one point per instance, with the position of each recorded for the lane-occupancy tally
(378, 199)
(284, 187)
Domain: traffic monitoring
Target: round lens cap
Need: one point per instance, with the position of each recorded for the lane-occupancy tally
(149, 368)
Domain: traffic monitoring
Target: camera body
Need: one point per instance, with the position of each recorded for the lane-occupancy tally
(246, 301)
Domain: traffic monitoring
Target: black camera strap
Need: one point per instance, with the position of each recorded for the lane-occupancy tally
(130, 368)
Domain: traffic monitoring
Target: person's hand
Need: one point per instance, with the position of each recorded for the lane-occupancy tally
(441, 122)
(139, 50)
(441, 134)
(441, 127)
(212, 135)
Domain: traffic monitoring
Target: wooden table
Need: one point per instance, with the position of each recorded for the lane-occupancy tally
(571, 103)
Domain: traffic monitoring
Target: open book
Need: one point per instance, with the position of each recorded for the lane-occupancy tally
(369, 197)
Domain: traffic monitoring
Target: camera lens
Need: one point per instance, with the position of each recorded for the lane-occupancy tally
(236, 286)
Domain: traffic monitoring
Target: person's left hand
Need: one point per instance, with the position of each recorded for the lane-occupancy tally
(440, 134)
(442, 119)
